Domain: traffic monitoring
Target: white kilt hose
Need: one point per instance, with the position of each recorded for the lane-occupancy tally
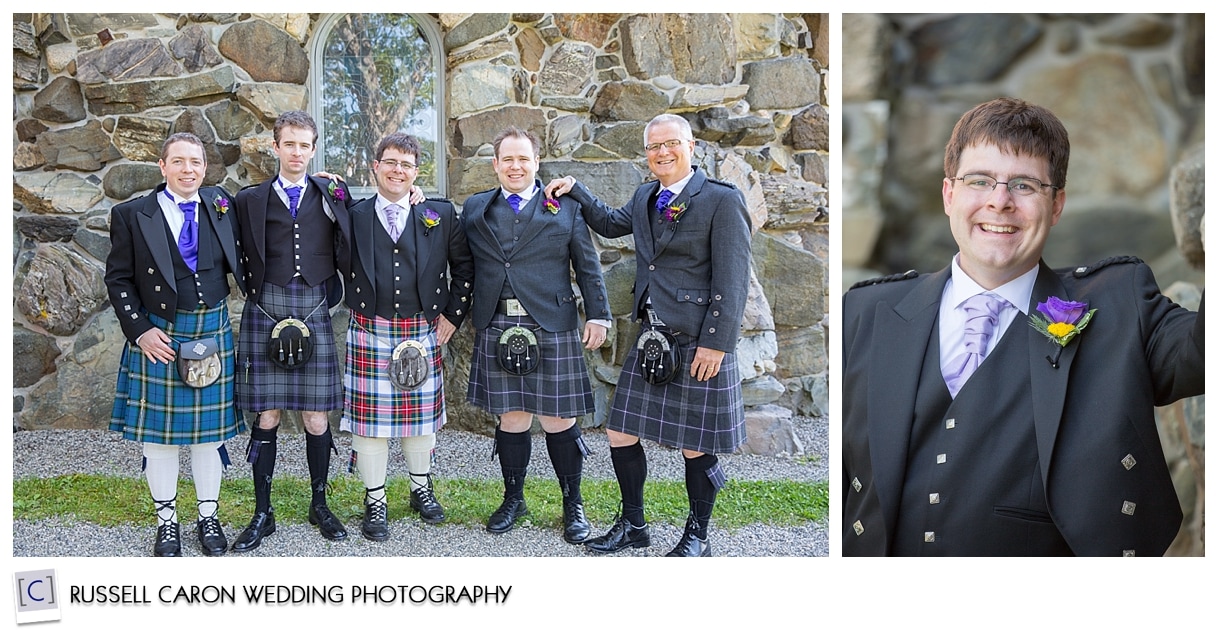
(153, 405)
(374, 407)
(261, 385)
(559, 387)
(704, 416)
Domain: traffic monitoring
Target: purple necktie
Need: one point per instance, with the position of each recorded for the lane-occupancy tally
(392, 213)
(293, 193)
(662, 201)
(188, 239)
(515, 200)
(980, 321)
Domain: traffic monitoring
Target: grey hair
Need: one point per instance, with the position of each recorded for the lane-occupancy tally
(662, 119)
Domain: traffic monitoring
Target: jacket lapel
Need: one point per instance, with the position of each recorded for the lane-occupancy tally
(156, 237)
(1049, 383)
(363, 221)
(477, 218)
(259, 198)
(644, 222)
(538, 217)
(902, 337)
(667, 230)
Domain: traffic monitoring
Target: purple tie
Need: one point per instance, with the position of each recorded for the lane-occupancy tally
(980, 320)
(188, 239)
(392, 213)
(515, 200)
(662, 201)
(293, 193)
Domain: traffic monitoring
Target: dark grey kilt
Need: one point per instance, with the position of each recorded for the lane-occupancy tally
(261, 385)
(559, 387)
(704, 416)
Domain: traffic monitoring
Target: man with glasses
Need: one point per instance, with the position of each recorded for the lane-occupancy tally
(1000, 407)
(679, 385)
(396, 259)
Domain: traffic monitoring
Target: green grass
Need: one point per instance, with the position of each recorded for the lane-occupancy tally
(112, 501)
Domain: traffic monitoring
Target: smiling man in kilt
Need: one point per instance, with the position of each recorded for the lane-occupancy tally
(288, 227)
(524, 248)
(692, 239)
(396, 259)
(171, 252)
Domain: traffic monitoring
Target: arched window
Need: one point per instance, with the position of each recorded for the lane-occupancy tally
(375, 74)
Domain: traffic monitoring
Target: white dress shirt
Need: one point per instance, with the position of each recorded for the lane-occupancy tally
(1017, 292)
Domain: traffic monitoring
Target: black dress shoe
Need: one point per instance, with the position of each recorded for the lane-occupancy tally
(622, 535)
(423, 500)
(168, 540)
(376, 520)
(691, 546)
(211, 537)
(504, 518)
(575, 526)
(329, 525)
(261, 525)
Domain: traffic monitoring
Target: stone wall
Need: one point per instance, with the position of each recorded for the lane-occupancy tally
(1129, 89)
(95, 95)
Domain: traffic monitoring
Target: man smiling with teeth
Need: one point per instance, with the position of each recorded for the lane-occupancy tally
(980, 418)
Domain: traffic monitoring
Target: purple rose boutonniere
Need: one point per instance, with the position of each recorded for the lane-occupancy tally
(1062, 321)
(430, 219)
(552, 206)
(336, 193)
(221, 205)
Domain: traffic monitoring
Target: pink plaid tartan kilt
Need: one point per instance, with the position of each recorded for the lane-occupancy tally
(372, 407)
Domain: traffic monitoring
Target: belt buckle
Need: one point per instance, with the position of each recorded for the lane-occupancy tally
(514, 308)
(653, 318)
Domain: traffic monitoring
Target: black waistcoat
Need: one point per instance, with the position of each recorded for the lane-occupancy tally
(208, 286)
(396, 282)
(304, 245)
(972, 482)
(507, 227)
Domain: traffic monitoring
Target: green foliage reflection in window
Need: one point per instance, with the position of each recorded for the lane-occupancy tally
(377, 78)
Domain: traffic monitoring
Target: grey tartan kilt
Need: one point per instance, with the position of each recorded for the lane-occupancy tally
(704, 416)
(559, 387)
(261, 385)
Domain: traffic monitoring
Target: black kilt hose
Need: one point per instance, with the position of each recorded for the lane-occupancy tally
(703, 416)
(559, 387)
(261, 385)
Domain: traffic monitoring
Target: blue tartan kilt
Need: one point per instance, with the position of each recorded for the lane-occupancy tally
(559, 387)
(704, 416)
(261, 385)
(153, 405)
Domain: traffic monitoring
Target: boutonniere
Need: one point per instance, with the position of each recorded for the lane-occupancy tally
(221, 203)
(430, 219)
(552, 206)
(673, 212)
(336, 193)
(1063, 320)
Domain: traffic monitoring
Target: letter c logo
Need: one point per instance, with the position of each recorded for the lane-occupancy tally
(29, 590)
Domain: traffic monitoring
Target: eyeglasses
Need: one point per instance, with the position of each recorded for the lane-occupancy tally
(394, 164)
(671, 144)
(1021, 186)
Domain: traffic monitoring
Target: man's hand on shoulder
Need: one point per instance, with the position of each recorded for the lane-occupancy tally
(559, 187)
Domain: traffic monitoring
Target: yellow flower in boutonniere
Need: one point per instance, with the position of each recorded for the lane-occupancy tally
(1063, 319)
(430, 219)
(552, 206)
(221, 203)
(673, 213)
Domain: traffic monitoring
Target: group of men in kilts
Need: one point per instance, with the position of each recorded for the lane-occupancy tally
(411, 270)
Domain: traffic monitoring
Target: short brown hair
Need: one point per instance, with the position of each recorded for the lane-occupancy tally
(183, 136)
(295, 118)
(402, 142)
(1015, 126)
(516, 132)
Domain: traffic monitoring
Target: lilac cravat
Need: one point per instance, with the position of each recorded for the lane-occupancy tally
(665, 197)
(293, 193)
(515, 200)
(981, 319)
(393, 213)
(188, 239)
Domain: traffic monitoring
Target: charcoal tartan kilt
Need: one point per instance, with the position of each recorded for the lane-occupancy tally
(705, 416)
(559, 386)
(261, 385)
(373, 407)
(152, 405)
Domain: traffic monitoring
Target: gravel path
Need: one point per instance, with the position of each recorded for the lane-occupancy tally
(458, 455)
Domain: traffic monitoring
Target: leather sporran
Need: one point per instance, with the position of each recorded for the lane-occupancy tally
(659, 356)
(518, 351)
(198, 362)
(408, 365)
(291, 344)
